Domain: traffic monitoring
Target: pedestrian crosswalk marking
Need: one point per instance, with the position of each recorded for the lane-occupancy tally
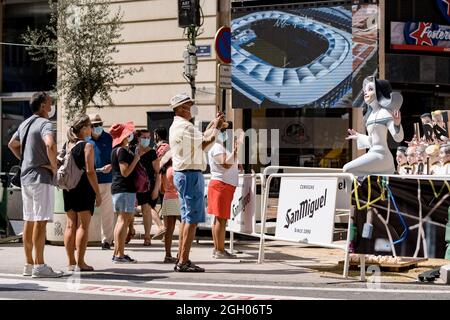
(136, 292)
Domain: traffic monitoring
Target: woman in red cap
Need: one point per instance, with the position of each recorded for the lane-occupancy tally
(123, 187)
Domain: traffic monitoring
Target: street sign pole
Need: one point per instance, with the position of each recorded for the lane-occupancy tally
(223, 52)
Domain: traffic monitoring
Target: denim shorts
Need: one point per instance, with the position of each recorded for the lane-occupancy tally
(124, 202)
(191, 190)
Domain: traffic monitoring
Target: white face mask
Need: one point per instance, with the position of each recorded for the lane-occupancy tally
(194, 111)
(52, 112)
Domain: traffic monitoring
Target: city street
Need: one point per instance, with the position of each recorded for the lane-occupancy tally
(289, 272)
(297, 136)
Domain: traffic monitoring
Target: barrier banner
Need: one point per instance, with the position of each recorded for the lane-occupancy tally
(306, 209)
(382, 231)
(243, 206)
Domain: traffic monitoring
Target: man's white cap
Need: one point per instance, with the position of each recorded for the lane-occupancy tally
(179, 100)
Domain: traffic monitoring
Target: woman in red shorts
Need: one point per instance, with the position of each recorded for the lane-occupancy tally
(224, 180)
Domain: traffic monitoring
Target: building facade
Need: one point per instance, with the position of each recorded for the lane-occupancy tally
(153, 40)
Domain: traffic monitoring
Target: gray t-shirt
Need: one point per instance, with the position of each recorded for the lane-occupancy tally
(35, 153)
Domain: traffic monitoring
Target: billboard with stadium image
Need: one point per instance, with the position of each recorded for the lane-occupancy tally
(297, 55)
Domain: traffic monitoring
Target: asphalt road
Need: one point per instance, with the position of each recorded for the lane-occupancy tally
(94, 286)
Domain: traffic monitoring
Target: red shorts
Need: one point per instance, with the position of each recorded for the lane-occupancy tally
(220, 196)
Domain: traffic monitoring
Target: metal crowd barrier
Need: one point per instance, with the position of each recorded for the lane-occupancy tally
(347, 210)
(264, 179)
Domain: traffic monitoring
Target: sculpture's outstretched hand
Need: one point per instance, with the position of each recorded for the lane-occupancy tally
(352, 134)
(397, 117)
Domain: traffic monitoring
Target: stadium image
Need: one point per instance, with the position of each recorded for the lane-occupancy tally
(295, 58)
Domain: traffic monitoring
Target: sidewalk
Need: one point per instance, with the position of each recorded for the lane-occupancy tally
(285, 263)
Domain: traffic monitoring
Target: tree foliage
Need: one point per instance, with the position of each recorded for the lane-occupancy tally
(79, 41)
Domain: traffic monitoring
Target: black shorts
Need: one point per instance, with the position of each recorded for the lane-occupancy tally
(146, 198)
(81, 198)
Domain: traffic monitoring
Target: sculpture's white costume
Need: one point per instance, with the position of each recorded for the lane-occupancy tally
(378, 160)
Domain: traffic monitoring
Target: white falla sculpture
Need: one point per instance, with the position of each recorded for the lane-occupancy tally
(383, 114)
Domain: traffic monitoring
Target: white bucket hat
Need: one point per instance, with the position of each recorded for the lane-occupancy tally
(179, 100)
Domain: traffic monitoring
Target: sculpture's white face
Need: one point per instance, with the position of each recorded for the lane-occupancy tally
(444, 157)
(437, 117)
(369, 93)
(426, 120)
(401, 158)
(411, 156)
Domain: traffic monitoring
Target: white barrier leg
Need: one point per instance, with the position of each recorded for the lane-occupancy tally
(362, 261)
(261, 249)
(263, 220)
(346, 263)
(231, 242)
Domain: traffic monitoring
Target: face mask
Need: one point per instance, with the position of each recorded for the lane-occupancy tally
(131, 137)
(98, 130)
(222, 136)
(52, 112)
(194, 111)
(87, 138)
(145, 142)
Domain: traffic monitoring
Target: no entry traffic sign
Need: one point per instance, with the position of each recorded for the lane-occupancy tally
(223, 44)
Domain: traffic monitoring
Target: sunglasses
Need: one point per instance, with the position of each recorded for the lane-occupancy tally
(95, 125)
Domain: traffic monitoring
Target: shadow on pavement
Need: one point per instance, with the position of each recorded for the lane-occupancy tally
(22, 287)
(122, 274)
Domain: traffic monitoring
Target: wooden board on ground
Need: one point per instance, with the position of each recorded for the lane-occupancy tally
(406, 263)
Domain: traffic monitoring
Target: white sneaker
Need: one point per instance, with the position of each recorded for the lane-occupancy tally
(224, 255)
(27, 270)
(45, 272)
(72, 268)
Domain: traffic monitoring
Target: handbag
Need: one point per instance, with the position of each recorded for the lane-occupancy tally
(15, 179)
(141, 180)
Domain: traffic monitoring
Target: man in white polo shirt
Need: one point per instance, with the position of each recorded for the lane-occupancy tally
(188, 145)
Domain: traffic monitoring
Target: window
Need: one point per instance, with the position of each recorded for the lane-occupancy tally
(19, 72)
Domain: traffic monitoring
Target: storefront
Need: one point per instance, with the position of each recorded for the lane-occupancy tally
(416, 62)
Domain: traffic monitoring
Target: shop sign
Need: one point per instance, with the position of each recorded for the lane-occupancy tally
(420, 36)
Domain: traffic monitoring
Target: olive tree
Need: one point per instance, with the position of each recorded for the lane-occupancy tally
(79, 42)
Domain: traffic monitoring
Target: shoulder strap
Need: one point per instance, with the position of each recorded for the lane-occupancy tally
(25, 139)
(66, 146)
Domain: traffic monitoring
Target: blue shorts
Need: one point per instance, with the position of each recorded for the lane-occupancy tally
(191, 190)
(124, 202)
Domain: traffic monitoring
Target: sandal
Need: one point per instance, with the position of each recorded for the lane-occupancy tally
(188, 267)
(159, 234)
(86, 269)
(170, 260)
(147, 242)
(130, 236)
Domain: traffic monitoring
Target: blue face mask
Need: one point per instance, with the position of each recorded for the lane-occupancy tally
(131, 137)
(145, 142)
(222, 136)
(98, 130)
(87, 138)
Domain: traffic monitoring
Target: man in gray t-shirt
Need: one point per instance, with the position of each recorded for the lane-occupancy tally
(38, 168)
